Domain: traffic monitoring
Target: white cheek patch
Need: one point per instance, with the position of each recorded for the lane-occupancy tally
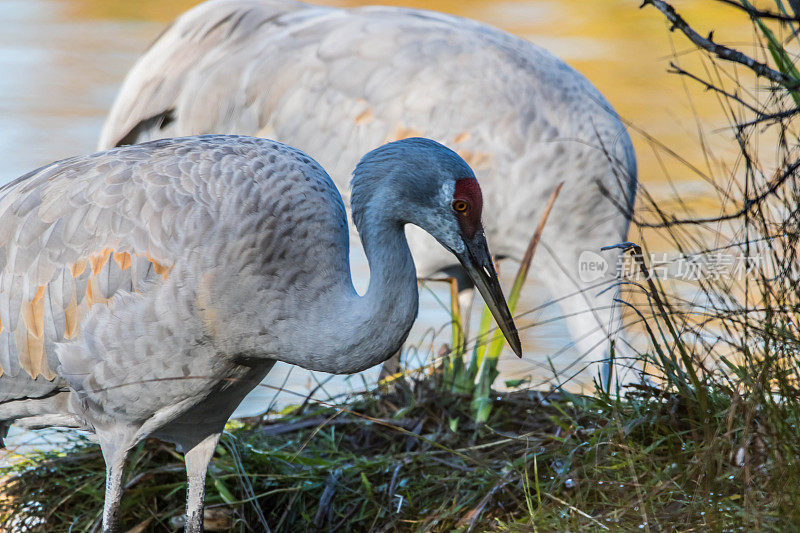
(447, 192)
(440, 221)
(447, 222)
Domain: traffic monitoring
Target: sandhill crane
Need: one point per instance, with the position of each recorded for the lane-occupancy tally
(339, 82)
(145, 290)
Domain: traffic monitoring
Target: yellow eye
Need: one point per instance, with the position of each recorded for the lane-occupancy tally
(460, 206)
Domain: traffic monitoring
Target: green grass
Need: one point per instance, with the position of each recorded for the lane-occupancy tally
(544, 462)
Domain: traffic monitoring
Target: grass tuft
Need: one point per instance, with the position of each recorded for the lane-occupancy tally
(544, 461)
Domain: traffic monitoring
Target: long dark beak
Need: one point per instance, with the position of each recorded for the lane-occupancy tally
(478, 263)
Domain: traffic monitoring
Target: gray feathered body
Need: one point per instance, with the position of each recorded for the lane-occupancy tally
(154, 284)
(338, 82)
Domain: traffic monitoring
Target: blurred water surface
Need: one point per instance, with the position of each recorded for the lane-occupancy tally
(63, 61)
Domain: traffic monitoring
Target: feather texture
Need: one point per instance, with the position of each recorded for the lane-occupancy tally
(133, 213)
(340, 82)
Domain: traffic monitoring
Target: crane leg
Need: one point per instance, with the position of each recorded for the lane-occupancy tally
(115, 455)
(197, 459)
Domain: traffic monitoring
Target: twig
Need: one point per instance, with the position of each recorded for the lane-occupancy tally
(749, 203)
(326, 499)
(762, 116)
(289, 427)
(760, 13)
(162, 470)
(710, 87)
(747, 206)
(721, 51)
(475, 514)
(450, 464)
(573, 508)
(772, 116)
(527, 258)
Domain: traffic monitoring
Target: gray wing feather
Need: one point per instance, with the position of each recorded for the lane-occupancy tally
(337, 83)
(54, 318)
(210, 28)
(68, 232)
(133, 213)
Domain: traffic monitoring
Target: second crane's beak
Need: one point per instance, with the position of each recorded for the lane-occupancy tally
(478, 263)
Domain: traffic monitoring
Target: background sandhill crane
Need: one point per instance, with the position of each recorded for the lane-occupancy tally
(338, 82)
(212, 257)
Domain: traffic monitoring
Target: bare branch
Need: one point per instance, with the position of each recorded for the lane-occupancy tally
(761, 115)
(772, 116)
(721, 51)
(710, 87)
(747, 206)
(760, 13)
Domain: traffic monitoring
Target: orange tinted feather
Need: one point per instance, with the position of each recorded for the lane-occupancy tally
(461, 137)
(364, 117)
(159, 269)
(99, 260)
(401, 132)
(474, 159)
(123, 260)
(71, 319)
(30, 351)
(33, 314)
(78, 267)
(92, 297)
(36, 355)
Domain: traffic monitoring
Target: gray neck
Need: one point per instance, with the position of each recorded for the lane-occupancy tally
(379, 321)
(343, 333)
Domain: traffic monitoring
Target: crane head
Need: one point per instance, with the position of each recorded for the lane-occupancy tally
(467, 206)
(421, 182)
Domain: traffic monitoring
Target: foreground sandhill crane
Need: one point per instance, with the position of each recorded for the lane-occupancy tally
(339, 82)
(146, 290)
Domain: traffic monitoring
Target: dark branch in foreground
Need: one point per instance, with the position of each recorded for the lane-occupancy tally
(760, 13)
(766, 118)
(721, 51)
(761, 115)
(675, 69)
(747, 206)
